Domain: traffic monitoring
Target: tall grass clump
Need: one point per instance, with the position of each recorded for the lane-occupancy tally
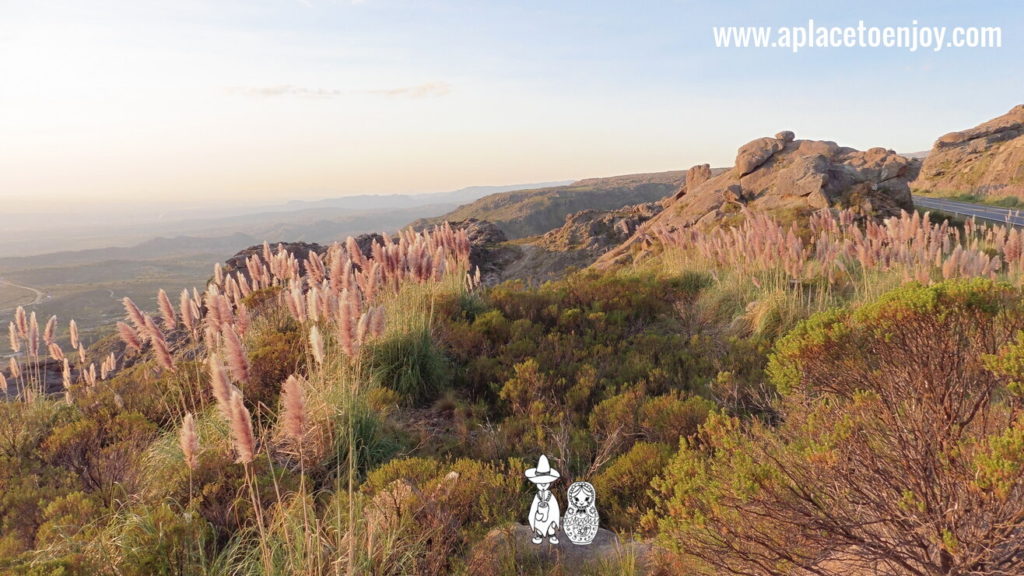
(266, 387)
(768, 275)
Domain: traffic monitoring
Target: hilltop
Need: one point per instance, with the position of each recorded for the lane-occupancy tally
(986, 161)
(785, 178)
(525, 213)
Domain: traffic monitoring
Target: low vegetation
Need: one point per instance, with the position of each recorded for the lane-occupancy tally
(831, 396)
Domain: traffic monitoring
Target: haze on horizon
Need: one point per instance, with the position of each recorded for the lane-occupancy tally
(266, 101)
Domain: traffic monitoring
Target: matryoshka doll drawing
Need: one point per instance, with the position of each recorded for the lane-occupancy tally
(581, 519)
(545, 514)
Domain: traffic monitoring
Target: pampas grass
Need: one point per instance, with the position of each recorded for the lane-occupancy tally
(316, 345)
(134, 314)
(293, 409)
(76, 343)
(220, 386)
(12, 332)
(188, 440)
(48, 332)
(241, 429)
(185, 308)
(840, 251)
(170, 320)
(162, 352)
(337, 298)
(129, 336)
(21, 320)
(55, 351)
(237, 360)
(33, 336)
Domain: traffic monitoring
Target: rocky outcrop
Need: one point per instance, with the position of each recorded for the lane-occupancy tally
(789, 177)
(584, 237)
(485, 239)
(695, 176)
(698, 175)
(49, 371)
(753, 154)
(301, 250)
(512, 545)
(487, 248)
(597, 231)
(985, 160)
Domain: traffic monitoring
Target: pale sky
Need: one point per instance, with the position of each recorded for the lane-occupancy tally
(267, 100)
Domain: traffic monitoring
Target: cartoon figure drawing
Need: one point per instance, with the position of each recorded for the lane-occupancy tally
(544, 512)
(581, 518)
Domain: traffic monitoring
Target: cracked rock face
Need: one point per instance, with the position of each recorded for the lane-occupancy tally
(985, 160)
(790, 177)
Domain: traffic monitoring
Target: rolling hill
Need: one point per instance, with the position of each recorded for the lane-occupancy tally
(524, 213)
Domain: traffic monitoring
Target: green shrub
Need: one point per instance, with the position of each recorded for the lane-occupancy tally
(899, 418)
(623, 487)
(159, 540)
(418, 471)
(273, 356)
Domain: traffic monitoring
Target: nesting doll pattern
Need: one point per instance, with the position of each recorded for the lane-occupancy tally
(581, 519)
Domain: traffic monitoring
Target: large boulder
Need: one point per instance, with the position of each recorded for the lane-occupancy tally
(789, 178)
(754, 154)
(512, 545)
(698, 175)
(695, 176)
(987, 160)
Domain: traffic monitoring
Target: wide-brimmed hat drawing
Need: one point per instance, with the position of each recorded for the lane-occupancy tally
(543, 473)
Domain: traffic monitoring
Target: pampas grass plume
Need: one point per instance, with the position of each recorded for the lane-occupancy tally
(185, 306)
(241, 429)
(316, 343)
(293, 409)
(73, 331)
(51, 326)
(237, 360)
(220, 386)
(33, 335)
(12, 332)
(166, 310)
(21, 321)
(189, 441)
(134, 314)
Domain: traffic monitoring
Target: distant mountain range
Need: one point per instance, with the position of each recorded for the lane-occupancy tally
(376, 202)
(310, 220)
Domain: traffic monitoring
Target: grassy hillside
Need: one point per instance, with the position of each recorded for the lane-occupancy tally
(847, 396)
(530, 212)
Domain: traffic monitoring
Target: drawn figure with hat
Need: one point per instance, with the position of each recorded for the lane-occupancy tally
(544, 513)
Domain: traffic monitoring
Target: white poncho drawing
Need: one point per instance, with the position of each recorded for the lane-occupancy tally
(545, 514)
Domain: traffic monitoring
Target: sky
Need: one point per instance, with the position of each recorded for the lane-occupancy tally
(234, 101)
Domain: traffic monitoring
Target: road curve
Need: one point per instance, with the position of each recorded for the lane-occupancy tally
(979, 211)
(39, 295)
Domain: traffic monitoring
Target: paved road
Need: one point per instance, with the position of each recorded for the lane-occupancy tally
(995, 214)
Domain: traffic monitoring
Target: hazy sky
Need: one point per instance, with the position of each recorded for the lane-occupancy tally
(280, 99)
